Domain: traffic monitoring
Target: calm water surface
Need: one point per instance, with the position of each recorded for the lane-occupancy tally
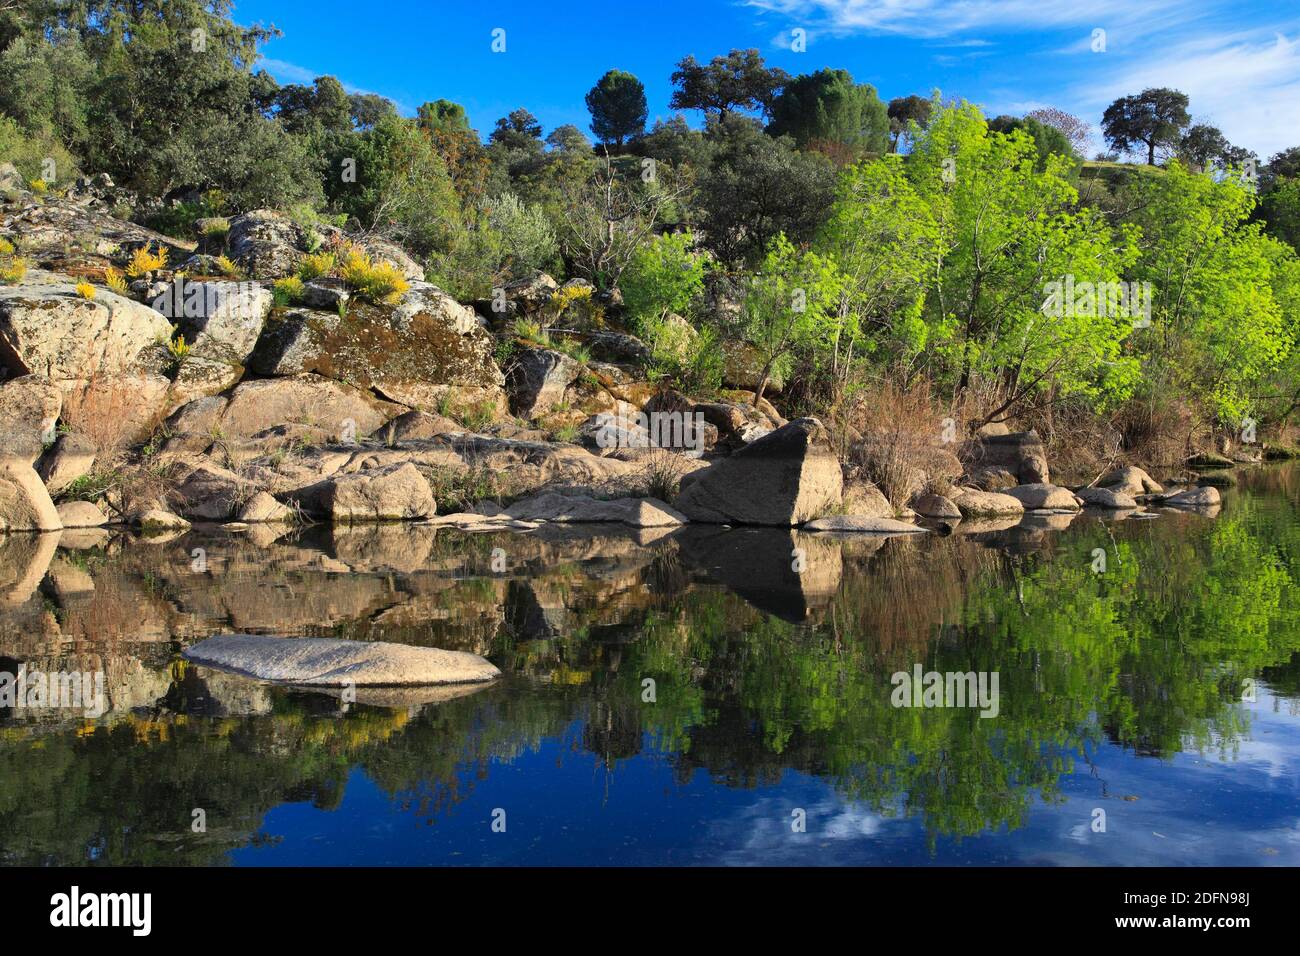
(1120, 692)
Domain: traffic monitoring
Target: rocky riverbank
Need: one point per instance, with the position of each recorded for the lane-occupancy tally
(199, 390)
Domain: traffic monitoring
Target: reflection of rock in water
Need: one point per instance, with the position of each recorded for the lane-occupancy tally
(533, 613)
(23, 561)
(395, 698)
(205, 692)
(759, 565)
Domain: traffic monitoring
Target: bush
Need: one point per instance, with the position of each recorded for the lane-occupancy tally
(316, 265)
(12, 271)
(115, 281)
(286, 291)
(143, 261)
(663, 276)
(29, 152)
(375, 282)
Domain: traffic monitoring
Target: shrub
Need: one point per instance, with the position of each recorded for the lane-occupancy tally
(663, 475)
(376, 282)
(12, 272)
(286, 291)
(315, 265)
(663, 276)
(217, 229)
(6, 247)
(39, 186)
(85, 290)
(178, 348)
(227, 266)
(115, 281)
(143, 261)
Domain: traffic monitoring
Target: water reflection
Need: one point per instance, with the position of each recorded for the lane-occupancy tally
(700, 656)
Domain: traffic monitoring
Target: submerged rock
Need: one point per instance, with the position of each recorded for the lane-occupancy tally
(577, 509)
(984, 504)
(81, 514)
(1203, 497)
(936, 506)
(862, 524)
(328, 662)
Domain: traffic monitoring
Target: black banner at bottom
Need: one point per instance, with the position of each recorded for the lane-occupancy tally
(337, 905)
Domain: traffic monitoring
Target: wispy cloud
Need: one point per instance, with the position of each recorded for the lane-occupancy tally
(937, 18)
(286, 72)
(1246, 83)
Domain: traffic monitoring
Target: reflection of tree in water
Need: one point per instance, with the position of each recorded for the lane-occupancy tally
(1149, 655)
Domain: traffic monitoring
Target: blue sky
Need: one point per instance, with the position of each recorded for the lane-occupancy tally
(1239, 60)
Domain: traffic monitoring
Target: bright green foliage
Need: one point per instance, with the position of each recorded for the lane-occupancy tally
(884, 241)
(1006, 232)
(789, 305)
(1217, 329)
(664, 276)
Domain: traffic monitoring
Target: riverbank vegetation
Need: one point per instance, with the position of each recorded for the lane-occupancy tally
(858, 247)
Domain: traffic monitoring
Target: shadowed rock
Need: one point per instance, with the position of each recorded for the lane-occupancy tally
(784, 478)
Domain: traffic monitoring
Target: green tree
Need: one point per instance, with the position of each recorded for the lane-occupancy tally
(828, 106)
(1280, 210)
(442, 115)
(884, 241)
(1217, 330)
(402, 188)
(663, 276)
(1007, 232)
(1154, 119)
(322, 107)
(903, 111)
(758, 186)
(368, 109)
(737, 81)
(618, 107)
(789, 305)
(1048, 140)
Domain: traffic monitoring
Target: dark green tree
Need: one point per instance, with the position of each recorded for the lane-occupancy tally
(759, 186)
(903, 110)
(618, 107)
(1154, 119)
(828, 106)
(737, 81)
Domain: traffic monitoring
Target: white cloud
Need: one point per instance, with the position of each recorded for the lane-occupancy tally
(1247, 84)
(941, 18)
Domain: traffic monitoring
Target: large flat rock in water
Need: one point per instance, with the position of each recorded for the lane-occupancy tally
(329, 662)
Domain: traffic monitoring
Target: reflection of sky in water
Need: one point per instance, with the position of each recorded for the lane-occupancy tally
(564, 807)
